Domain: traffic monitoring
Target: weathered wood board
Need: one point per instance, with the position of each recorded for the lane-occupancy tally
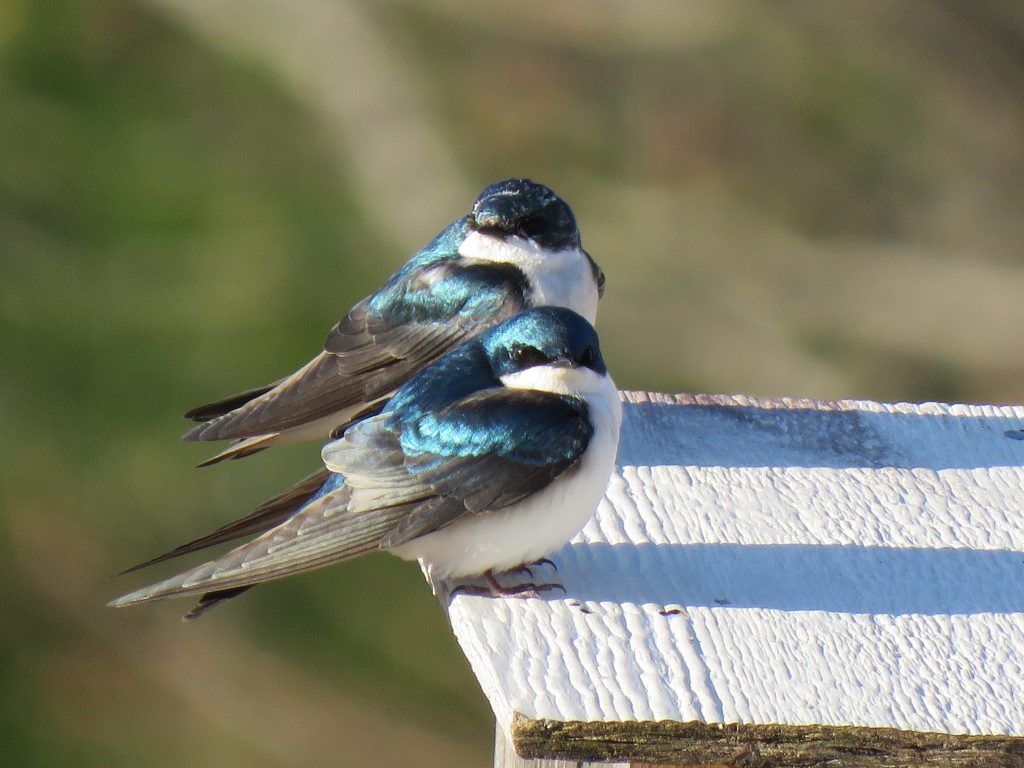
(759, 566)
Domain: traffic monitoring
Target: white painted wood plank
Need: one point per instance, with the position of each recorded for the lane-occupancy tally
(790, 562)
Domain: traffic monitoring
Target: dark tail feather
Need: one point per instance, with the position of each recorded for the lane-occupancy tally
(237, 451)
(266, 516)
(211, 411)
(211, 600)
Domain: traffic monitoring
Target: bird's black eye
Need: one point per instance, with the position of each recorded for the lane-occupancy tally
(588, 357)
(531, 226)
(525, 356)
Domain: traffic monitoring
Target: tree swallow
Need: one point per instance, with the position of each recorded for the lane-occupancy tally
(518, 247)
(492, 457)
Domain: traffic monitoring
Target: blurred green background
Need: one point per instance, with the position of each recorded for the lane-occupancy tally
(815, 199)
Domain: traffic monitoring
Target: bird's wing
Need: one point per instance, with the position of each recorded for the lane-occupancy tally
(403, 480)
(323, 532)
(485, 452)
(380, 343)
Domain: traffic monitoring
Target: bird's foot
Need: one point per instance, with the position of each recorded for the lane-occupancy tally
(495, 589)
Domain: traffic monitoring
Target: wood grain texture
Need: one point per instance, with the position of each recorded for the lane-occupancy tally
(505, 755)
(767, 564)
(761, 746)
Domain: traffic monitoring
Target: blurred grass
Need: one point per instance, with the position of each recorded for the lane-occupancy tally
(162, 207)
(802, 199)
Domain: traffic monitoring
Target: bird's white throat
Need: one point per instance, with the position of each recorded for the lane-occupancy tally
(561, 380)
(562, 278)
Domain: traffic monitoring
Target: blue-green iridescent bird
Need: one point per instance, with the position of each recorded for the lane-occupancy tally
(518, 247)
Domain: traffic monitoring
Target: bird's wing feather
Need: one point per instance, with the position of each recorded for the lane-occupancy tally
(219, 407)
(266, 516)
(324, 532)
(380, 343)
(239, 449)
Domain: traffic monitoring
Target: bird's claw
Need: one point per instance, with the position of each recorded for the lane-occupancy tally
(518, 591)
(531, 590)
(527, 568)
(519, 570)
(495, 589)
(545, 561)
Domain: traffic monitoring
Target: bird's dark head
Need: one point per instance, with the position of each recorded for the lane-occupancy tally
(551, 336)
(526, 209)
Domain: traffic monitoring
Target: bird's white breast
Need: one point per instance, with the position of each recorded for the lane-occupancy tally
(557, 278)
(542, 523)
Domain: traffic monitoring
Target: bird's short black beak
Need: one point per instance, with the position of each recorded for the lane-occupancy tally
(494, 232)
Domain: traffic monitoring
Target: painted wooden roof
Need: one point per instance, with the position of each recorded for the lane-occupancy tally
(780, 562)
